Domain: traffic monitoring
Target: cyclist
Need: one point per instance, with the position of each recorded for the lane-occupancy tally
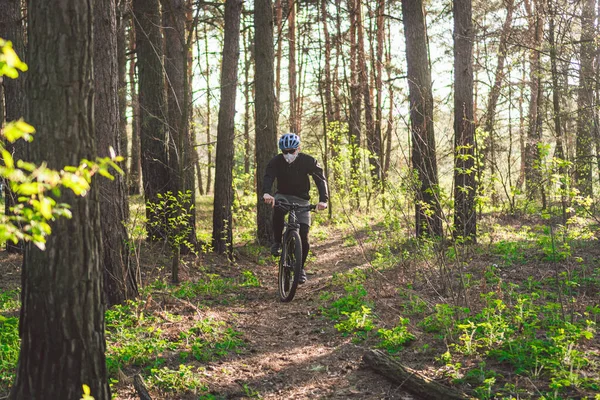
(292, 169)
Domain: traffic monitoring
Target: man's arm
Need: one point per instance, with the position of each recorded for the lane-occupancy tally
(320, 181)
(269, 177)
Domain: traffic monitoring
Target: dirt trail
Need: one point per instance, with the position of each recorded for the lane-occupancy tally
(293, 352)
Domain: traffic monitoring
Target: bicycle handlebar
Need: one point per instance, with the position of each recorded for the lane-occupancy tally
(293, 206)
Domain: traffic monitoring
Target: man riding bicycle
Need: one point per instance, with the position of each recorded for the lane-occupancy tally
(292, 169)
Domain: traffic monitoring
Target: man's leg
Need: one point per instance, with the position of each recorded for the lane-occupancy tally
(305, 247)
(278, 223)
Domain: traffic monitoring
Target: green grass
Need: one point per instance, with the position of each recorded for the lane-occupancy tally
(9, 350)
(9, 337)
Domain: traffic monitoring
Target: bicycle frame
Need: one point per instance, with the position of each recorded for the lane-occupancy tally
(290, 270)
(292, 208)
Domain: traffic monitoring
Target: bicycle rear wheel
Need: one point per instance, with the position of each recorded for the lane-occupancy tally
(290, 266)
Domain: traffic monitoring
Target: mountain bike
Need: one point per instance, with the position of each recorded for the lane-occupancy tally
(290, 261)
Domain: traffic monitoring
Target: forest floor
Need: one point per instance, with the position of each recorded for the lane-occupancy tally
(290, 351)
(223, 333)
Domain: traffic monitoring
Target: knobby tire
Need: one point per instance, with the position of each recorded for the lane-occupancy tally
(290, 266)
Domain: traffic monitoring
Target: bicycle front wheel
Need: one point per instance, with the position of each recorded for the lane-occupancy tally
(290, 266)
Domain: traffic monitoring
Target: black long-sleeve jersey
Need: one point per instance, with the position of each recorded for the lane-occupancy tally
(292, 179)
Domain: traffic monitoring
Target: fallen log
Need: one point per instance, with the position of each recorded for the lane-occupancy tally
(409, 379)
(140, 387)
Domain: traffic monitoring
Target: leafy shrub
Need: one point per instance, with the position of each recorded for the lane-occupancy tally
(182, 380)
(357, 322)
(393, 340)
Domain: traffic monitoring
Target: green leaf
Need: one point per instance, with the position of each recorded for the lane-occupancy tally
(106, 174)
(28, 188)
(9, 60)
(8, 159)
(46, 207)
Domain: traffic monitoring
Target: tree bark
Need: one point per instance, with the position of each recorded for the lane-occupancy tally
(532, 151)
(222, 235)
(390, 118)
(266, 133)
(123, 19)
(292, 67)
(489, 159)
(62, 314)
(12, 28)
(135, 174)
(181, 160)
(119, 275)
(209, 145)
(140, 387)
(585, 101)
(326, 84)
(465, 184)
(559, 152)
(173, 17)
(428, 212)
(373, 142)
(522, 133)
(152, 102)
(380, 38)
(278, 9)
(248, 57)
(355, 95)
(409, 379)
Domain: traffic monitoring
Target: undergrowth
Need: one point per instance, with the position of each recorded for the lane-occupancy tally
(529, 334)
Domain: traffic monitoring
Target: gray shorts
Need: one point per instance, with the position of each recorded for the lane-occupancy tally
(303, 216)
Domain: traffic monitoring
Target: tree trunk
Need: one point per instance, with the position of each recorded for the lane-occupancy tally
(301, 70)
(428, 212)
(62, 313)
(247, 85)
(325, 86)
(522, 148)
(12, 28)
(173, 16)
(337, 112)
(209, 145)
(409, 379)
(597, 99)
(135, 175)
(380, 38)
(292, 67)
(155, 165)
(532, 151)
(373, 143)
(177, 49)
(489, 159)
(327, 68)
(222, 236)
(559, 152)
(266, 133)
(390, 118)
(355, 96)
(585, 101)
(278, 25)
(465, 184)
(122, 23)
(119, 275)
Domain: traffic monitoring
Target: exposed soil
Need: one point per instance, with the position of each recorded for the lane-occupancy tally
(291, 351)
